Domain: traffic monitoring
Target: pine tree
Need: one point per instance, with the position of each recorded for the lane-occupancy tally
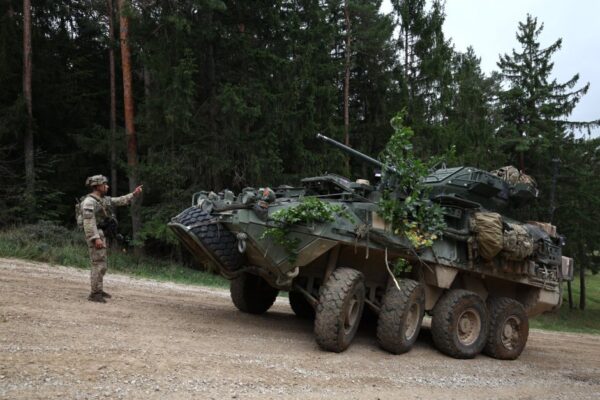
(27, 96)
(113, 96)
(535, 130)
(132, 154)
(374, 95)
(535, 107)
(424, 72)
(472, 118)
(578, 205)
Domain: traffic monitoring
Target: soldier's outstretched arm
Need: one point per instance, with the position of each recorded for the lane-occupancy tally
(126, 199)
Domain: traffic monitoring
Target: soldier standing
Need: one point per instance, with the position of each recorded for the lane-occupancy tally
(96, 210)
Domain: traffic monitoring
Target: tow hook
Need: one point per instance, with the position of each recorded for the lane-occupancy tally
(241, 244)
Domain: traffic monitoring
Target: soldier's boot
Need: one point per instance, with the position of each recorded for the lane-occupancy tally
(105, 295)
(97, 297)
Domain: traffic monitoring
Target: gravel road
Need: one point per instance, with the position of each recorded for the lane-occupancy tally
(157, 340)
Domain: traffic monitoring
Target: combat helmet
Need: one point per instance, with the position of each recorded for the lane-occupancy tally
(92, 181)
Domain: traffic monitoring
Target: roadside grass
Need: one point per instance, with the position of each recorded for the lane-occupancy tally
(56, 245)
(575, 320)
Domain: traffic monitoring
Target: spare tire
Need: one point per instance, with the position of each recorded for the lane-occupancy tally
(214, 237)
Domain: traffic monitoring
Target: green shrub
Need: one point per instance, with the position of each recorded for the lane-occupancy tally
(55, 244)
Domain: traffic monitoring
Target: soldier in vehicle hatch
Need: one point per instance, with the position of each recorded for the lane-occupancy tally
(98, 221)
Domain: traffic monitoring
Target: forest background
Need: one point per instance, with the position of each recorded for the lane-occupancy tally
(229, 94)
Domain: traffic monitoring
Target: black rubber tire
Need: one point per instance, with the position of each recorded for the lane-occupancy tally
(504, 311)
(301, 306)
(457, 314)
(218, 240)
(338, 314)
(252, 294)
(401, 316)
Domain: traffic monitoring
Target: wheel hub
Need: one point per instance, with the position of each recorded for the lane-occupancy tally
(510, 332)
(469, 327)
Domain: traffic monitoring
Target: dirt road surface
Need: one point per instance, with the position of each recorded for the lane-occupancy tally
(156, 340)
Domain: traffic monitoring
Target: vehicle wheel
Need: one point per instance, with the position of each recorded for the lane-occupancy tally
(509, 329)
(401, 316)
(301, 306)
(218, 240)
(252, 294)
(460, 324)
(339, 311)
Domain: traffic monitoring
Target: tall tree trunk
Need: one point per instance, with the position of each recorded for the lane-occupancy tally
(347, 82)
(570, 295)
(136, 221)
(113, 98)
(210, 62)
(27, 69)
(406, 57)
(212, 102)
(582, 293)
(147, 81)
(552, 209)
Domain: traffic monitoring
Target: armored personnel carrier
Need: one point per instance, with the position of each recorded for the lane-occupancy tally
(480, 281)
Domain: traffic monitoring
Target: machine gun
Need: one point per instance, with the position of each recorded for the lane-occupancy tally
(109, 227)
(352, 152)
(388, 172)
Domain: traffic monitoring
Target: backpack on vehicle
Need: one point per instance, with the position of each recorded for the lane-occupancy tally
(488, 230)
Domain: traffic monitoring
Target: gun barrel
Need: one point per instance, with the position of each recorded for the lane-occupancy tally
(351, 151)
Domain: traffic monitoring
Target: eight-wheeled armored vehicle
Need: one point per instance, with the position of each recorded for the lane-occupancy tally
(480, 280)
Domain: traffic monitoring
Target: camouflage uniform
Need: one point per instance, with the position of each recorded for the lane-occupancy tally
(95, 210)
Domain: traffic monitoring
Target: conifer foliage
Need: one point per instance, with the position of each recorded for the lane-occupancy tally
(535, 107)
(230, 93)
